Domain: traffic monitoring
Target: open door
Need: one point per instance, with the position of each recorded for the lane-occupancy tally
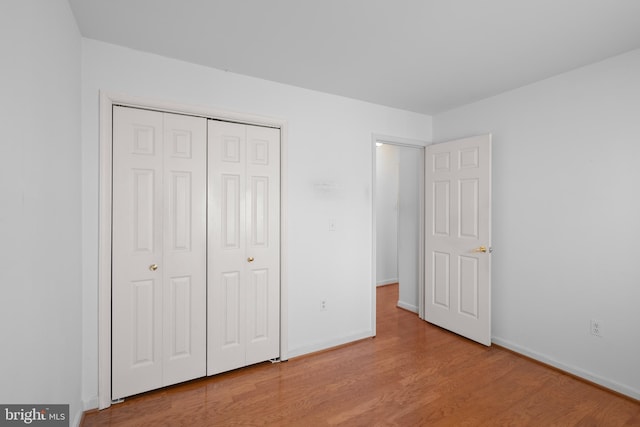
(458, 237)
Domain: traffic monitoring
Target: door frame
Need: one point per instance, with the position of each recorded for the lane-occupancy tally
(402, 142)
(107, 101)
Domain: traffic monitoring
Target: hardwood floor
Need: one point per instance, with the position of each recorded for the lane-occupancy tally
(411, 374)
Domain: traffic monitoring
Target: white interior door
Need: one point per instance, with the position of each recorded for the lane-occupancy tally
(244, 245)
(159, 250)
(458, 237)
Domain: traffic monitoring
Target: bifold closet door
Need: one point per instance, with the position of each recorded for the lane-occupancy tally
(159, 250)
(243, 245)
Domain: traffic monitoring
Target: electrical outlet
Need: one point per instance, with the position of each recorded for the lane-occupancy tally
(596, 328)
(323, 305)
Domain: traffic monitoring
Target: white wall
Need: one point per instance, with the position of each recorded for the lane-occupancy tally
(40, 264)
(410, 178)
(386, 214)
(329, 144)
(566, 217)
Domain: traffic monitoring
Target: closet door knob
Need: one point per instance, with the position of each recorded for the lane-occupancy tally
(153, 267)
(250, 259)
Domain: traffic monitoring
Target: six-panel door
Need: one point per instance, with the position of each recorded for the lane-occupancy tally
(159, 250)
(458, 237)
(244, 245)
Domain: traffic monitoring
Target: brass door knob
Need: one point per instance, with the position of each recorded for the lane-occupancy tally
(483, 249)
(250, 259)
(153, 267)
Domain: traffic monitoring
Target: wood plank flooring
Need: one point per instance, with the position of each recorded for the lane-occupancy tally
(411, 374)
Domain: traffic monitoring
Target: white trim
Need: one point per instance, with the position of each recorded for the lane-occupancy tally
(422, 238)
(107, 100)
(325, 345)
(104, 254)
(90, 403)
(604, 382)
(77, 419)
(394, 140)
(284, 235)
(403, 142)
(374, 236)
(387, 282)
(409, 307)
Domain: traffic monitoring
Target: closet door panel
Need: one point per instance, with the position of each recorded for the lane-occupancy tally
(244, 243)
(137, 245)
(159, 250)
(226, 243)
(263, 243)
(184, 252)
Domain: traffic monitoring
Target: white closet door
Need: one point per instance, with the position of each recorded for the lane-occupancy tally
(244, 245)
(159, 250)
(185, 244)
(227, 249)
(263, 244)
(137, 245)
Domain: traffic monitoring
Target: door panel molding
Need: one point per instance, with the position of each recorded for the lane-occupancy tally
(107, 101)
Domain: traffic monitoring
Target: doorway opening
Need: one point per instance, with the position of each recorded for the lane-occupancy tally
(398, 219)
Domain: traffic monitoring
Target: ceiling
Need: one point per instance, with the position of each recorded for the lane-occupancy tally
(426, 56)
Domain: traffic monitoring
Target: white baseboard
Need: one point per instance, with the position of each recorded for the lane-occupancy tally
(87, 405)
(328, 344)
(76, 419)
(604, 382)
(387, 282)
(408, 307)
(90, 403)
